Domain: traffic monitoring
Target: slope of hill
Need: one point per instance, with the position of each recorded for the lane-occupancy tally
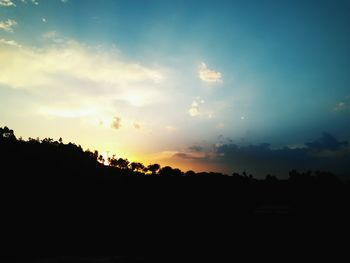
(51, 172)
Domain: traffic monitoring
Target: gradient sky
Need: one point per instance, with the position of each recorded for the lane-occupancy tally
(176, 82)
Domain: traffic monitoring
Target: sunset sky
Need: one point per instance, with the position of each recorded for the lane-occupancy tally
(201, 85)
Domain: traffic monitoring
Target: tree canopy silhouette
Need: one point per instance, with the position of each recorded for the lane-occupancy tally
(49, 161)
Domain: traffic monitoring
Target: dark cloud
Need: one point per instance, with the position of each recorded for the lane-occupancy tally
(325, 153)
(326, 142)
(195, 148)
(188, 156)
(117, 123)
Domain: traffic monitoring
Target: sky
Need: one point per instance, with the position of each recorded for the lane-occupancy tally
(259, 86)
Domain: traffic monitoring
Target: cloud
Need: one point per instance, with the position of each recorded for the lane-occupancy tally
(35, 2)
(190, 155)
(54, 37)
(325, 153)
(81, 83)
(8, 25)
(209, 76)
(50, 35)
(10, 43)
(7, 3)
(117, 123)
(341, 106)
(81, 69)
(197, 109)
(194, 110)
(195, 148)
(326, 142)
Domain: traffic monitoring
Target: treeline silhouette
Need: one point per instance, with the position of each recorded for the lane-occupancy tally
(51, 163)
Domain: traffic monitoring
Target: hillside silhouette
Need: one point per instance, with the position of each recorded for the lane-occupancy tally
(50, 165)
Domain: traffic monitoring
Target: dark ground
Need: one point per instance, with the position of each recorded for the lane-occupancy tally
(72, 259)
(54, 195)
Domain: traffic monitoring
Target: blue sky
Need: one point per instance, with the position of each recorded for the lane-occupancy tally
(149, 79)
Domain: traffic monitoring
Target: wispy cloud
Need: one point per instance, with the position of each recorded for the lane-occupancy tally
(342, 105)
(35, 2)
(7, 3)
(8, 25)
(53, 36)
(10, 43)
(209, 76)
(72, 80)
(73, 63)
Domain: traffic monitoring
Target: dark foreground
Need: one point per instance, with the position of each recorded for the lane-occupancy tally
(49, 189)
(72, 259)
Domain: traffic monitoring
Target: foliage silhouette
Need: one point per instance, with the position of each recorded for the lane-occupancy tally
(50, 162)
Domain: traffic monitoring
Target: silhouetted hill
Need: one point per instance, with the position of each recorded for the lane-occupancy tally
(52, 173)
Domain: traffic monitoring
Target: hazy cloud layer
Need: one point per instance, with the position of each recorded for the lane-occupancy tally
(9, 42)
(75, 80)
(55, 64)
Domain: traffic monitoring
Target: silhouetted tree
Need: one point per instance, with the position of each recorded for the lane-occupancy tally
(153, 168)
(47, 140)
(122, 163)
(190, 173)
(135, 166)
(101, 159)
(6, 133)
(167, 170)
(112, 161)
(271, 179)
